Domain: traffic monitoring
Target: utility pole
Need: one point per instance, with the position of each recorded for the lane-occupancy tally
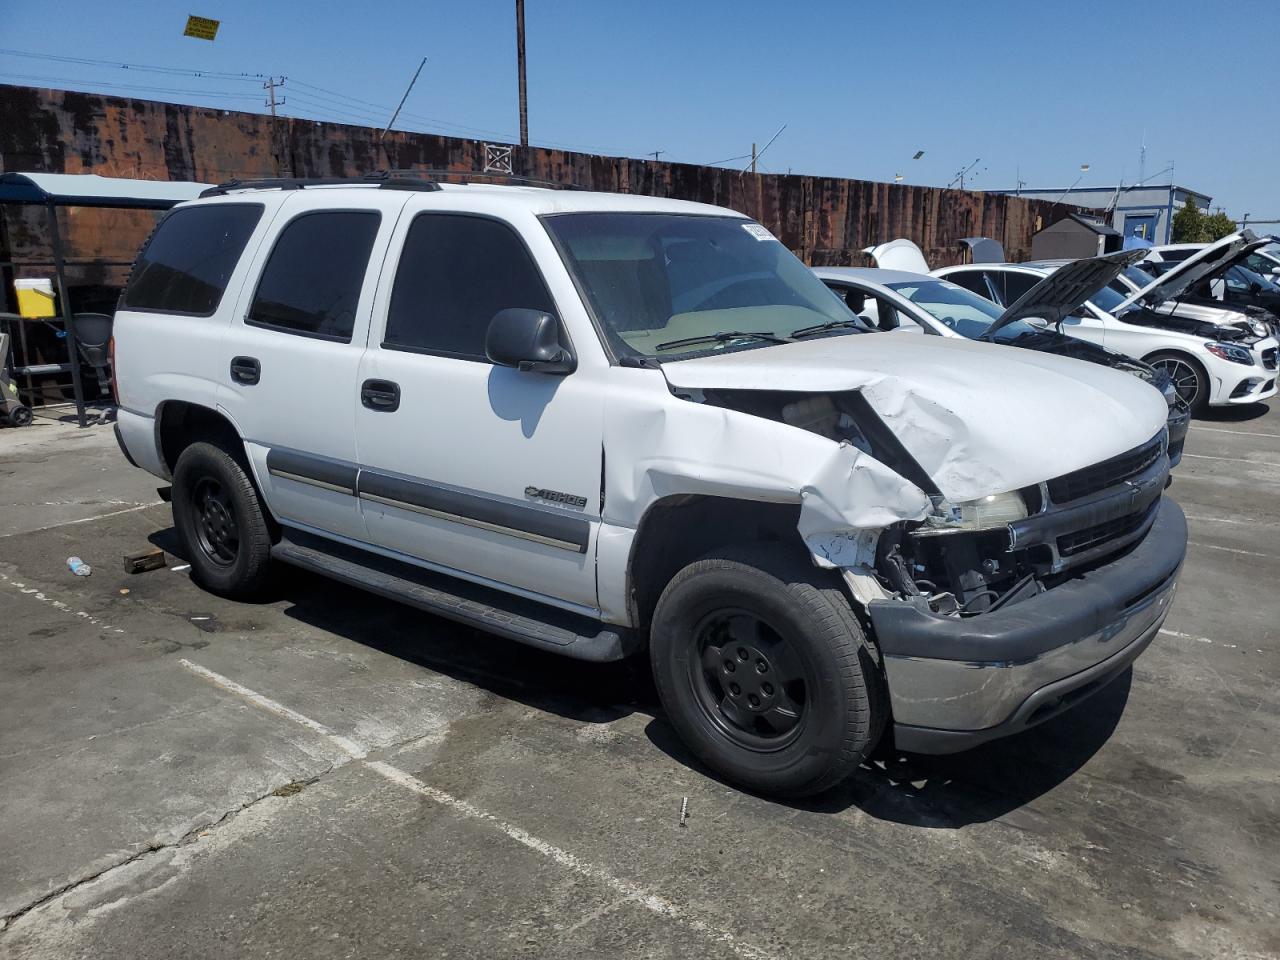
(524, 90)
(655, 154)
(271, 86)
(753, 158)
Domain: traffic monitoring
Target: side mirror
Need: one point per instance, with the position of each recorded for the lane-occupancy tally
(528, 340)
(1255, 286)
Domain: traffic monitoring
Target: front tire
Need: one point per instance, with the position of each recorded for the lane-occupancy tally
(765, 673)
(220, 521)
(1189, 377)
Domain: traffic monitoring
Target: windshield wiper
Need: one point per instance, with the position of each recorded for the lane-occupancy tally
(824, 327)
(724, 336)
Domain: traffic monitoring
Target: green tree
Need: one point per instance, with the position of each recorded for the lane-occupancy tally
(1188, 224)
(1216, 227)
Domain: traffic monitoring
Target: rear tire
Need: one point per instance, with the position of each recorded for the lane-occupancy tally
(765, 672)
(220, 521)
(1188, 375)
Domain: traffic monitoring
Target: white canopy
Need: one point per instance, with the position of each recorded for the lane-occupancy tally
(91, 190)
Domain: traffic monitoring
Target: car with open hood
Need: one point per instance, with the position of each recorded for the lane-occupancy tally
(1222, 362)
(897, 300)
(605, 425)
(1230, 282)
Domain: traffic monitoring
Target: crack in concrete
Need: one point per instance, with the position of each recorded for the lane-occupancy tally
(191, 836)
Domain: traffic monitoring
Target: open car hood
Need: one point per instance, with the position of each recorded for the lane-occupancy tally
(1062, 292)
(973, 415)
(900, 254)
(1213, 260)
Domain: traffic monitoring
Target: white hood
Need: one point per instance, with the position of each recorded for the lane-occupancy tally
(979, 418)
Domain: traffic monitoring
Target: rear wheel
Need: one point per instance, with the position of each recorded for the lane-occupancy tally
(1189, 378)
(220, 521)
(765, 673)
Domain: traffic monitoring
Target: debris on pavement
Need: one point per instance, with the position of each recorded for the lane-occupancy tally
(684, 811)
(144, 560)
(78, 567)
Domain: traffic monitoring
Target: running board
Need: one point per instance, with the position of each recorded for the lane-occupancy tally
(515, 618)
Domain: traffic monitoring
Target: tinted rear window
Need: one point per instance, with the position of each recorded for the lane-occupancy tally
(190, 257)
(311, 283)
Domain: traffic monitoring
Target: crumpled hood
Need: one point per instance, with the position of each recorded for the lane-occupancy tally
(979, 418)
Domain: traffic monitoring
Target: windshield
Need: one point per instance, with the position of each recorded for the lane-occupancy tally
(1242, 278)
(1108, 299)
(1138, 277)
(957, 309)
(653, 279)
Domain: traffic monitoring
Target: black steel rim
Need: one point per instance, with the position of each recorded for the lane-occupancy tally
(1186, 379)
(215, 520)
(749, 680)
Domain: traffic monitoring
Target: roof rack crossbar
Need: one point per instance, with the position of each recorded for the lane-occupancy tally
(465, 175)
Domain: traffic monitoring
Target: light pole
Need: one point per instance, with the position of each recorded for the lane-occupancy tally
(524, 99)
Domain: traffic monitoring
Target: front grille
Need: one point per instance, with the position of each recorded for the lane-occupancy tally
(1081, 540)
(1269, 358)
(1081, 483)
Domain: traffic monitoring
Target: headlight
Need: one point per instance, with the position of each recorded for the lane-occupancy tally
(1229, 351)
(986, 513)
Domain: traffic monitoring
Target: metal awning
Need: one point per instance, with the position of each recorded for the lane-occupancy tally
(91, 190)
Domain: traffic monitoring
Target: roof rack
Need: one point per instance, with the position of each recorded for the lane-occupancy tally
(466, 175)
(383, 179)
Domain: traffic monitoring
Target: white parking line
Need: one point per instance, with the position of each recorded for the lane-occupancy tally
(352, 749)
(660, 905)
(1256, 463)
(98, 516)
(1246, 523)
(1191, 636)
(1246, 553)
(1238, 433)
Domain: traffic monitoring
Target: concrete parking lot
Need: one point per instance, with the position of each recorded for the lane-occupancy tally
(325, 774)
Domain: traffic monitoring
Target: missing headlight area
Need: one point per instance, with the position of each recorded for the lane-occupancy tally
(963, 574)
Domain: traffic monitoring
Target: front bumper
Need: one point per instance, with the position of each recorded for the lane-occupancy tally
(956, 683)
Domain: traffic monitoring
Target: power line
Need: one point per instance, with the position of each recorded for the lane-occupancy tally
(145, 68)
(132, 86)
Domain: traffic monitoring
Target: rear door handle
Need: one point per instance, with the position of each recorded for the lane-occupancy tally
(246, 370)
(380, 395)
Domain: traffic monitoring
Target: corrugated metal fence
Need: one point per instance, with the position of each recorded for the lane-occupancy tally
(824, 220)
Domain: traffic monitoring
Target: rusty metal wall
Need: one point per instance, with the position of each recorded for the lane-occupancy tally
(824, 220)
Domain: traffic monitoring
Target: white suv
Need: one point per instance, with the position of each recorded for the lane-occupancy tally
(599, 423)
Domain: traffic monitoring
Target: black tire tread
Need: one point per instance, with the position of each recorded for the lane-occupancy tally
(857, 658)
(255, 539)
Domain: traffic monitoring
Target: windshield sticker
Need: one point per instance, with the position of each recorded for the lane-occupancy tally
(757, 231)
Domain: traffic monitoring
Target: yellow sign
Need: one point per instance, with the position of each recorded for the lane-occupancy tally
(201, 28)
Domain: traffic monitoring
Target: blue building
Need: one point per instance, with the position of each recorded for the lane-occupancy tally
(1146, 211)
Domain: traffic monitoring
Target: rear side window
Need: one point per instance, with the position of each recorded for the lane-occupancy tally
(1012, 286)
(311, 283)
(185, 266)
(971, 280)
(454, 274)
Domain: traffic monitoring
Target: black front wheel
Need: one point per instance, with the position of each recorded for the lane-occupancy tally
(765, 673)
(220, 521)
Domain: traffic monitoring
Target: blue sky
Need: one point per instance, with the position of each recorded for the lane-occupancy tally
(1031, 88)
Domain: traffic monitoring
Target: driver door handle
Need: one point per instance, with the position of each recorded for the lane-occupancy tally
(380, 395)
